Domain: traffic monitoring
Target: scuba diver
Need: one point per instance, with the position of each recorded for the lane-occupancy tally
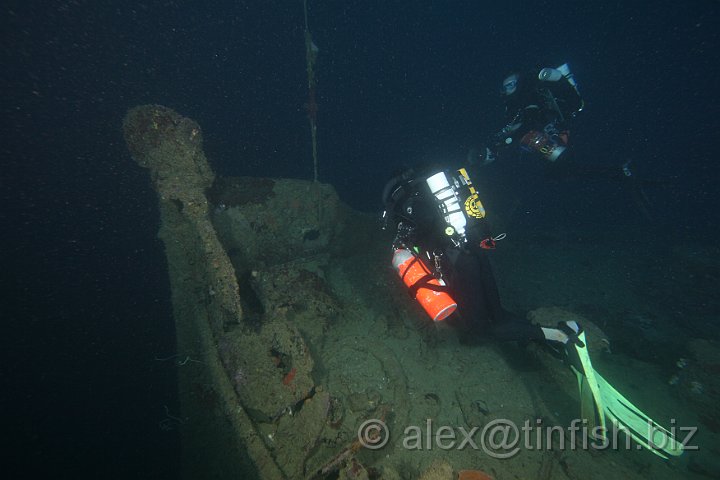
(440, 249)
(539, 107)
(440, 252)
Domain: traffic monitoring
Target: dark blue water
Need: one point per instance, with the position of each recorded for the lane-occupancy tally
(85, 290)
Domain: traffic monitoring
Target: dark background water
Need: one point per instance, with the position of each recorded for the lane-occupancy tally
(85, 294)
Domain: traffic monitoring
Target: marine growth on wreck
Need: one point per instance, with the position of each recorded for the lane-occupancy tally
(297, 334)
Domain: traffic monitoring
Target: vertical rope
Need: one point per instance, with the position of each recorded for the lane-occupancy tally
(311, 52)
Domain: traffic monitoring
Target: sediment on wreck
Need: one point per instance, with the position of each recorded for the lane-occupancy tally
(217, 434)
(247, 260)
(293, 332)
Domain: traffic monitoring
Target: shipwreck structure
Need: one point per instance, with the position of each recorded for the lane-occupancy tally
(293, 334)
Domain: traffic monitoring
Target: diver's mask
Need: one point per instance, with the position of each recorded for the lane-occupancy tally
(510, 84)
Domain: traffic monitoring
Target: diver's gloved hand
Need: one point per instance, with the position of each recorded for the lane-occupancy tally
(489, 157)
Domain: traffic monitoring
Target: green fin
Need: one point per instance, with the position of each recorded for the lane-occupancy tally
(591, 400)
(601, 402)
(588, 409)
(628, 418)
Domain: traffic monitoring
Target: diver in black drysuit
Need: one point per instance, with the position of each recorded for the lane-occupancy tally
(416, 214)
(543, 100)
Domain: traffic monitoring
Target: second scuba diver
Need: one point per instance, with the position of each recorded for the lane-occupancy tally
(539, 108)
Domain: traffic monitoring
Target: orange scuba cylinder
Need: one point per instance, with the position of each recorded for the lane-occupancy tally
(413, 272)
